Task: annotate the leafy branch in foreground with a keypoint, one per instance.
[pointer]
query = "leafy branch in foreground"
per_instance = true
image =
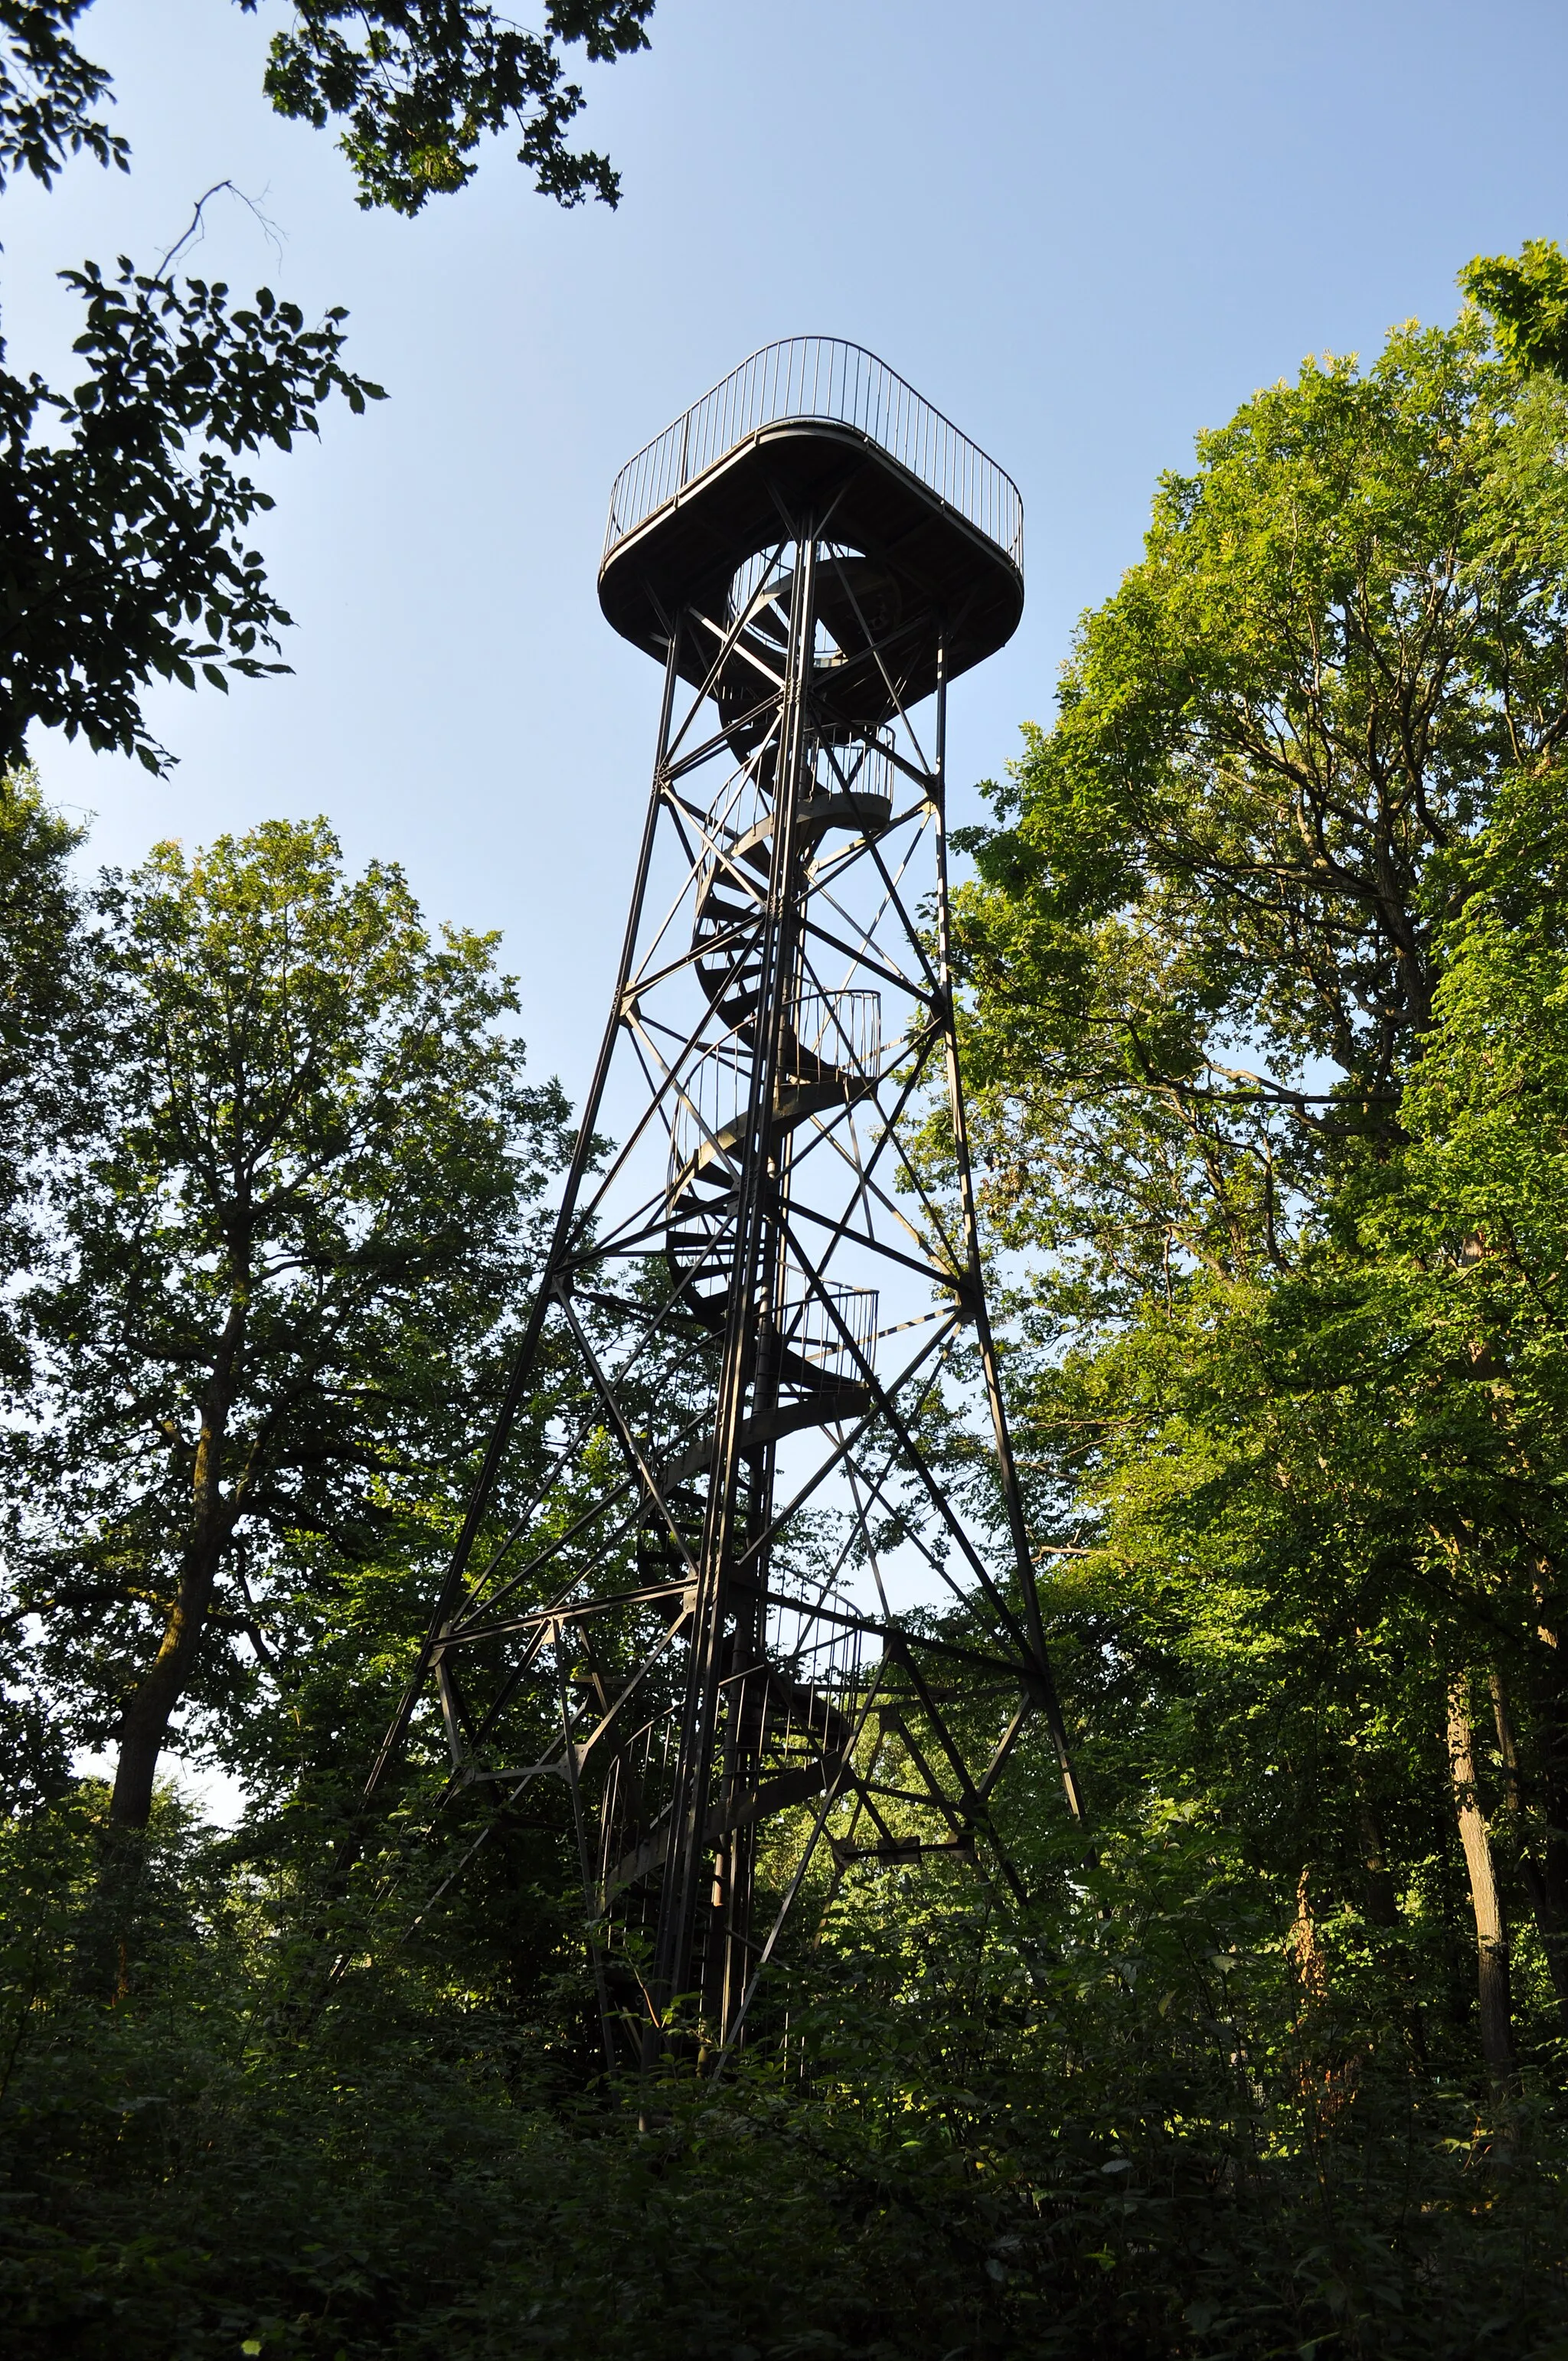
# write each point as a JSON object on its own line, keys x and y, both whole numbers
{"x": 49, "y": 92}
{"x": 124, "y": 558}
{"x": 1526, "y": 297}
{"x": 421, "y": 82}
{"x": 421, "y": 86}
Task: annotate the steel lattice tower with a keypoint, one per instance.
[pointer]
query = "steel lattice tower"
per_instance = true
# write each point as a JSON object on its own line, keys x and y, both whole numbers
{"x": 687, "y": 1628}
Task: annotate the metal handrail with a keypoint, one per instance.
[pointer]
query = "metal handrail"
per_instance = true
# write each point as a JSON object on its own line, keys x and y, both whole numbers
{"x": 806, "y": 1326}
{"x": 820, "y": 376}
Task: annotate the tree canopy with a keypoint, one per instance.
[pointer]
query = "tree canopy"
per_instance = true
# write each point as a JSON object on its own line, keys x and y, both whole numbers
{"x": 290, "y": 1236}
{"x": 421, "y": 82}
{"x": 1204, "y": 937}
{"x": 125, "y": 552}
{"x": 123, "y": 562}
{"x": 1257, "y": 945}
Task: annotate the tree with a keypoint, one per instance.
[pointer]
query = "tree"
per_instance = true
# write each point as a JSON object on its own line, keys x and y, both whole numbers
{"x": 121, "y": 561}
{"x": 420, "y": 81}
{"x": 123, "y": 526}
{"x": 1208, "y": 915}
{"x": 1210, "y": 944}
{"x": 49, "y": 92}
{"x": 46, "y": 1054}
{"x": 1476, "y": 1239}
{"x": 45, "y": 1051}
{"x": 288, "y": 1263}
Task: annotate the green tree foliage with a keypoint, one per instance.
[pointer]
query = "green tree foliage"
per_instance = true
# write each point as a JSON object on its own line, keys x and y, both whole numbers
{"x": 44, "y": 1053}
{"x": 1258, "y": 948}
{"x": 122, "y": 551}
{"x": 49, "y": 93}
{"x": 1527, "y": 296}
{"x": 1203, "y": 942}
{"x": 420, "y": 81}
{"x": 1170, "y": 2141}
{"x": 289, "y": 1251}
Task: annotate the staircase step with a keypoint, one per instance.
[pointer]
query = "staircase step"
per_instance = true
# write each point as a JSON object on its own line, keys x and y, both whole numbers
{"x": 835, "y": 1403}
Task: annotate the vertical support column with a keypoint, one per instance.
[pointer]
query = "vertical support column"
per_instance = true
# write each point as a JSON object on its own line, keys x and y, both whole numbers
{"x": 686, "y": 1871}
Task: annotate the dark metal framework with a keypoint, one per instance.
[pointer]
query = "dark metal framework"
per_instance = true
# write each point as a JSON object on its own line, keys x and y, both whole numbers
{"x": 688, "y": 1632}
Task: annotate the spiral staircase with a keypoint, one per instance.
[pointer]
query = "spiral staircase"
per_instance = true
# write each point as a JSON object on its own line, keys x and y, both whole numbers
{"x": 800, "y": 1380}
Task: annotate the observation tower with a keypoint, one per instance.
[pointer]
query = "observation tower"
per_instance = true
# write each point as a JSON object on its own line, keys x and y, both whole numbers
{"x": 732, "y": 1613}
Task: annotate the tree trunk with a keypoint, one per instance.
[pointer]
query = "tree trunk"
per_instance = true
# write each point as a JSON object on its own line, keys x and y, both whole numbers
{"x": 1491, "y": 1937}
{"x": 1382, "y": 1900}
{"x": 1306, "y": 1952}
{"x": 144, "y": 1726}
{"x": 1548, "y": 1919}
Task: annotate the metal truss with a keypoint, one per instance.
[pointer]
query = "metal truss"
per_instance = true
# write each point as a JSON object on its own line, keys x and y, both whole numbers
{"x": 686, "y": 1637}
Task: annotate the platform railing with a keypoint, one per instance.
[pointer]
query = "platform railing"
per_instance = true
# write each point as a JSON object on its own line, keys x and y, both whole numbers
{"x": 820, "y": 376}
{"x": 832, "y": 1326}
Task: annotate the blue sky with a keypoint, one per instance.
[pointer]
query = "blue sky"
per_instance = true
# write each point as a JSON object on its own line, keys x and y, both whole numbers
{"x": 1085, "y": 232}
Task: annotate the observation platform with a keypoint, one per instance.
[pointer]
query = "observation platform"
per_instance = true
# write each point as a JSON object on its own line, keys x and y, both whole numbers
{"x": 816, "y": 435}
